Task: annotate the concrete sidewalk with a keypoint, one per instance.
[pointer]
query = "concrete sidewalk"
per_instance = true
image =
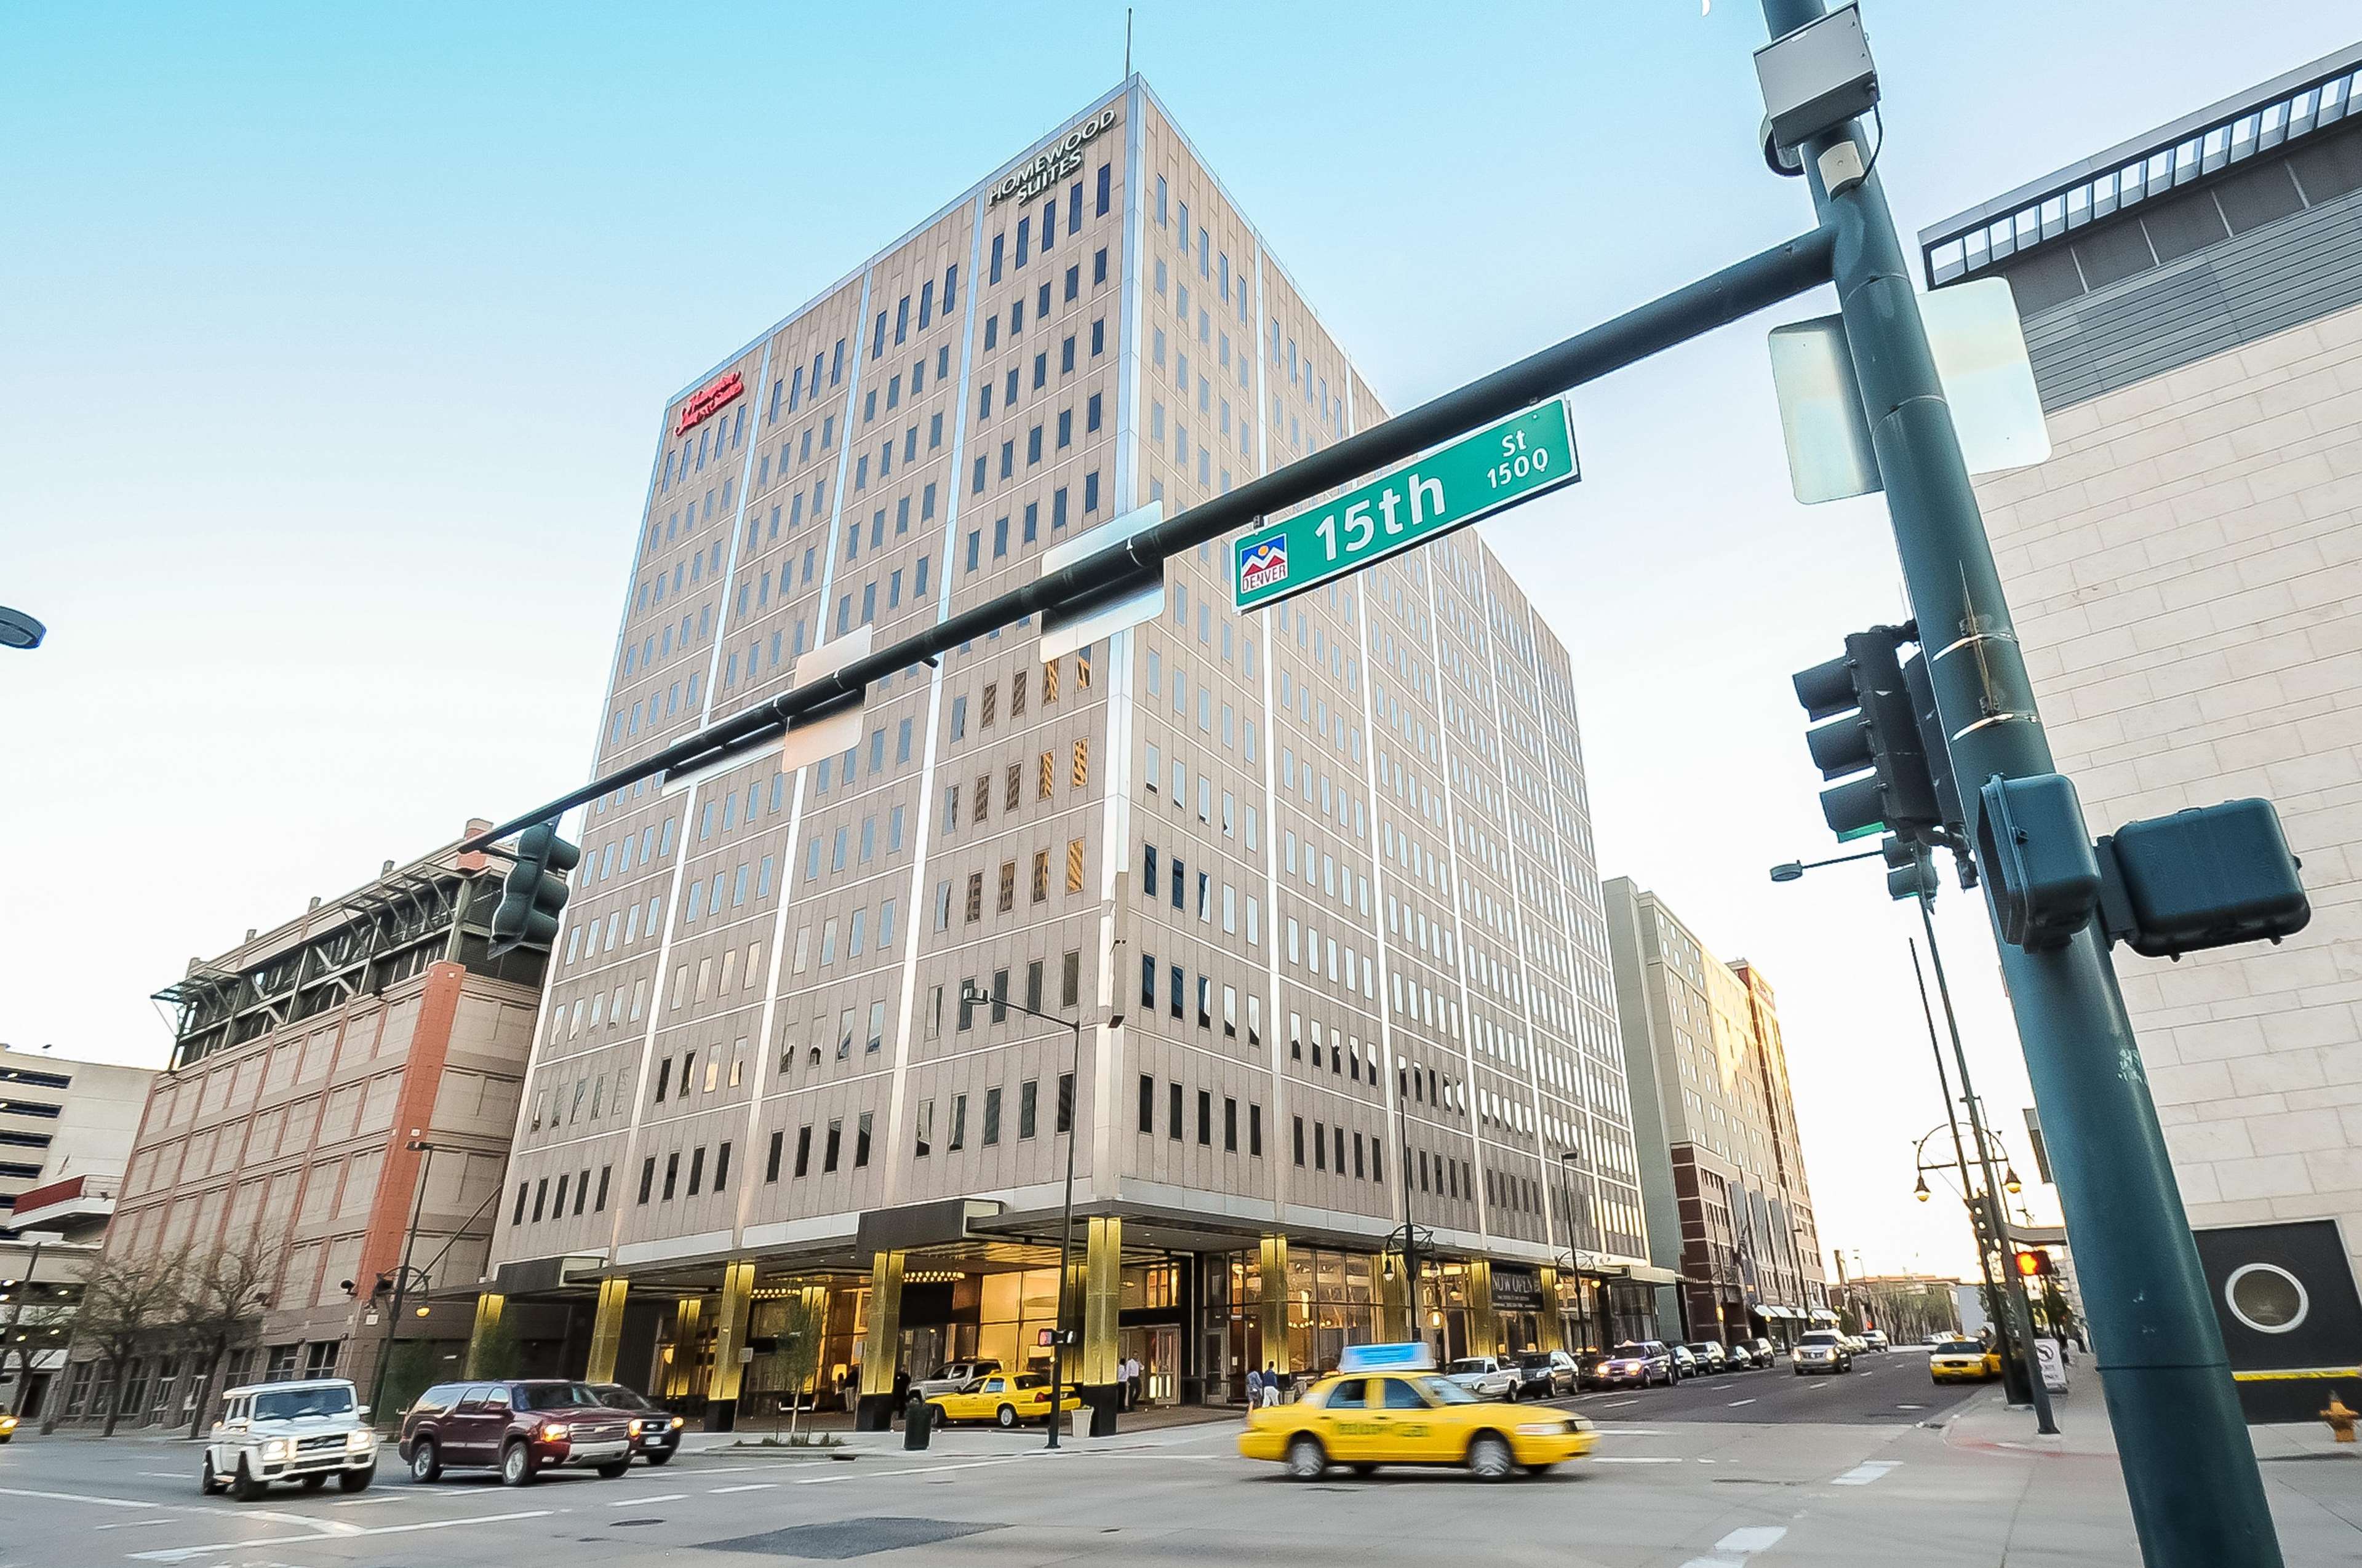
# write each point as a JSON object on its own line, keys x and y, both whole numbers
{"x": 1152, "y": 1426}
{"x": 2056, "y": 1501}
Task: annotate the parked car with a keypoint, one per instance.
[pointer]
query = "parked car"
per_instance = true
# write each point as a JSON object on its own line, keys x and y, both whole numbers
{"x": 303, "y": 1431}
{"x": 7, "y": 1427}
{"x": 1765, "y": 1353}
{"x": 1545, "y": 1374}
{"x": 1004, "y": 1399}
{"x": 520, "y": 1427}
{"x": 1822, "y": 1350}
{"x": 955, "y": 1375}
{"x": 654, "y": 1430}
{"x": 1685, "y": 1362}
{"x": 1487, "y": 1377}
{"x": 1635, "y": 1363}
{"x": 1711, "y": 1355}
{"x": 1586, "y": 1368}
{"x": 1874, "y": 1339}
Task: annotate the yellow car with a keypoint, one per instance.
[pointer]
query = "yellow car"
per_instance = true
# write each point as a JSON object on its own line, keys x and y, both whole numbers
{"x": 1005, "y": 1398}
{"x": 1963, "y": 1361}
{"x": 1364, "y": 1419}
{"x": 7, "y": 1427}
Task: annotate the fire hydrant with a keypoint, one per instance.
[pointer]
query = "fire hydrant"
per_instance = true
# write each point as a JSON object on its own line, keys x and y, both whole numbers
{"x": 2340, "y": 1419}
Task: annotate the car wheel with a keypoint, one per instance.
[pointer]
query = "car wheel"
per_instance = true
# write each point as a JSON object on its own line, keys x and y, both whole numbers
{"x": 615, "y": 1469}
{"x": 313, "y": 1482}
{"x": 243, "y": 1486}
{"x": 1510, "y": 1394}
{"x": 1006, "y": 1416}
{"x": 664, "y": 1458}
{"x": 517, "y": 1468}
{"x": 426, "y": 1465}
{"x": 1488, "y": 1457}
{"x": 209, "y": 1481}
{"x": 1306, "y": 1458}
{"x": 358, "y": 1480}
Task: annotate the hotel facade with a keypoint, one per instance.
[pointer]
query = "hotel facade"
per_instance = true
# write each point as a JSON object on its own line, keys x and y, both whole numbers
{"x": 1308, "y": 896}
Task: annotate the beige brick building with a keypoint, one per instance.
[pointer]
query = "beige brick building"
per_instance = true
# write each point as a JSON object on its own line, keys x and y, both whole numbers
{"x": 1722, "y": 1168}
{"x": 1317, "y": 883}
{"x": 2185, "y": 571}
{"x": 307, "y": 1059}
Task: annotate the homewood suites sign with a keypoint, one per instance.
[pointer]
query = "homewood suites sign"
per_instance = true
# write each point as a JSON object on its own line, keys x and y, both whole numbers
{"x": 1052, "y": 163}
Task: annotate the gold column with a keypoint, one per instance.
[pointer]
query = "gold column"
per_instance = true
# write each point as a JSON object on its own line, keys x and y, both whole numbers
{"x": 1392, "y": 1298}
{"x": 1483, "y": 1325}
{"x": 1102, "y": 1300}
{"x": 607, "y": 1330}
{"x": 1552, "y": 1336}
{"x": 488, "y": 1307}
{"x": 730, "y": 1329}
{"x": 881, "y": 1344}
{"x": 1271, "y": 1305}
{"x": 683, "y": 1371}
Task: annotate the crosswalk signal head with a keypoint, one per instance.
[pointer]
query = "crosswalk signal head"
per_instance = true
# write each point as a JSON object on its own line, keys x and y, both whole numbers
{"x": 534, "y": 894}
{"x": 2033, "y": 1263}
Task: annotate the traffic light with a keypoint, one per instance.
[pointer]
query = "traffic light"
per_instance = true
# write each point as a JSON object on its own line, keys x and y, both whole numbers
{"x": 2033, "y": 1263}
{"x": 1910, "y": 869}
{"x": 536, "y": 891}
{"x": 1872, "y": 731}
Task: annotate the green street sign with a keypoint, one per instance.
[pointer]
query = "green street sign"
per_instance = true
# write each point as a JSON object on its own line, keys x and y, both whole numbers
{"x": 1514, "y": 460}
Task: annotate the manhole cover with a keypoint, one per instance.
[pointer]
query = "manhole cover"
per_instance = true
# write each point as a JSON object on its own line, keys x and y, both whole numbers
{"x": 849, "y": 1538}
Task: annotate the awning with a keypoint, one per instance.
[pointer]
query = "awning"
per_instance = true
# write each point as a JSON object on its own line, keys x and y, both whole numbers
{"x": 1644, "y": 1273}
{"x": 1823, "y": 1315}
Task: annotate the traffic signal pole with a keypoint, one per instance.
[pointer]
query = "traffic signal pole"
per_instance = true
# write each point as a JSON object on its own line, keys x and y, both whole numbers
{"x": 2190, "y": 1470}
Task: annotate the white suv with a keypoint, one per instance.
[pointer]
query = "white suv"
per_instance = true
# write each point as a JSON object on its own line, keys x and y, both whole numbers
{"x": 305, "y": 1431}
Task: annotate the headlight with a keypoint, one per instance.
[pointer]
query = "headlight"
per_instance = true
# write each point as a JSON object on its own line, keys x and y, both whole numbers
{"x": 1542, "y": 1428}
{"x": 359, "y": 1441}
{"x": 274, "y": 1450}
{"x": 553, "y": 1429}
{"x": 635, "y": 1426}
{"x": 676, "y": 1423}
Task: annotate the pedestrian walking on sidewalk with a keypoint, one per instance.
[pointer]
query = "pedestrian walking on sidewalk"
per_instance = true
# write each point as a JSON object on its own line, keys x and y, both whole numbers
{"x": 1254, "y": 1389}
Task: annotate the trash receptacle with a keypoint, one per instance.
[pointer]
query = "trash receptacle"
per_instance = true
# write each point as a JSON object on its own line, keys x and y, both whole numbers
{"x": 918, "y": 1422}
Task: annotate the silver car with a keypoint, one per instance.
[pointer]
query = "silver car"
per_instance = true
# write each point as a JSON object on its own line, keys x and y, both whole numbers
{"x": 1487, "y": 1377}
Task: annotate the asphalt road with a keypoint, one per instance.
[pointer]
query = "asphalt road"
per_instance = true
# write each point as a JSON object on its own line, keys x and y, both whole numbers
{"x": 1885, "y": 1387}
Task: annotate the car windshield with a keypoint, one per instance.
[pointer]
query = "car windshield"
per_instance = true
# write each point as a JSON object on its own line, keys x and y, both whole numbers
{"x": 1470, "y": 1363}
{"x": 1703, "y": 1349}
{"x": 1960, "y": 1347}
{"x": 1819, "y": 1337}
{"x": 1627, "y": 1350}
{"x": 1535, "y": 1358}
{"x": 293, "y": 1404}
{"x": 616, "y": 1397}
{"x": 556, "y": 1396}
{"x": 1442, "y": 1393}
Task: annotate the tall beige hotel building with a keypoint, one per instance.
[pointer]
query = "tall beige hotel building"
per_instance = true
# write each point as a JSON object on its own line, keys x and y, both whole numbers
{"x": 1317, "y": 884}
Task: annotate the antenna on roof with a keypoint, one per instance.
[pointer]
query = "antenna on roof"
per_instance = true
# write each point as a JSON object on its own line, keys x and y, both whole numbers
{"x": 1127, "y": 43}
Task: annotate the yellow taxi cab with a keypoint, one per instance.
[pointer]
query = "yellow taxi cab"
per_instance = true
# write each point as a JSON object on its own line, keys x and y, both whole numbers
{"x": 1963, "y": 1361}
{"x": 8, "y": 1426}
{"x": 1384, "y": 1404}
{"x": 1004, "y": 1398}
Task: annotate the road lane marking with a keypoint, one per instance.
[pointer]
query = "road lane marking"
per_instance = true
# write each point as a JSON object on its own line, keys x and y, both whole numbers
{"x": 750, "y": 1486}
{"x": 1634, "y": 1459}
{"x": 924, "y": 1469}
{"x": 182, "y": 1553}
{"x": 638, "y": 1502}
{"x": 1751, "y": 1538}
{"x": 1736, "y": 1403}
{"x": 1618, "y": 1404}
{"x": 80, "y": 1498}
{"x": 164, "y": 1475}
{"x": 133, "y": 1524}
{"x": 1862, "y": 1474}
{"x": 328, "y": 1526}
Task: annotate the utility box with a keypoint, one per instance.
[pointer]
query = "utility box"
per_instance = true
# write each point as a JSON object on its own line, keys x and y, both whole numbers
{"x": 2204, "y": 878}
{"x": 2037, "y": 859}
{"x": 1816, "y": 78}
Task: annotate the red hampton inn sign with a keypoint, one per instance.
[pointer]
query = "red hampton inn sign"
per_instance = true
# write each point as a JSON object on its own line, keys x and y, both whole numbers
{"x": 709, "y": 399}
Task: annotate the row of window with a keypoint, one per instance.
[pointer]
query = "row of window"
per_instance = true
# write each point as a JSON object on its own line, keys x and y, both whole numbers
{"x": 1176, "y": 1100}
{"x": 1180, "y": 990}
{"x": 540, "y": 1194}
{"x": 1048, "y": 211}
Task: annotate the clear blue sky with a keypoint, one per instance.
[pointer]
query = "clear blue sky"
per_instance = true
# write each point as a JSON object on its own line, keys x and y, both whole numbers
{"x": 335, "y": 338}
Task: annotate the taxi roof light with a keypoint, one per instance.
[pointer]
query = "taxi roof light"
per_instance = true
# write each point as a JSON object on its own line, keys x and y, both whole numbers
{"x": 1410, "y": 1356}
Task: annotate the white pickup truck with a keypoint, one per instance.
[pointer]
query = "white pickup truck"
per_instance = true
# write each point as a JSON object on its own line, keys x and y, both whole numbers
{"x": 303, "y": 1431}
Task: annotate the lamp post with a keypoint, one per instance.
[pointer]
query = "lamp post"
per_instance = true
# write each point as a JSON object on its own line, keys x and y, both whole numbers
{"x": 20, "y": 630}
{"x": 403, "y": 1271}
{"x": 971, "y": 997}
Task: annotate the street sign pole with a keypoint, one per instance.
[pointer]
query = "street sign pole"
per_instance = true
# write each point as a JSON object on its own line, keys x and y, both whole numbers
{"x": 2190, "y": 1470}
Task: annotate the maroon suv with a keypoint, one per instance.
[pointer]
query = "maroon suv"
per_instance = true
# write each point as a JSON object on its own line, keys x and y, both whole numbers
{"x": 519, "y": 1427}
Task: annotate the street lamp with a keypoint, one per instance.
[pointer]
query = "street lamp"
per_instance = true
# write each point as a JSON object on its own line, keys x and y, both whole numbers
{"x": 402, "y": 1273}
{"x": 1919, "y": 1191}
{"x": 970, "y": 996}
{"x": 2010, "y": 1183}
{"x": 19, "y": 630}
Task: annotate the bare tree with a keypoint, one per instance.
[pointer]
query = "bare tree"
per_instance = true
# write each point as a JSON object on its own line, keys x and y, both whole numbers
{"x": 36, "y": 1324}
{"x": 800, "y": 1327}
{"x": 126, "y": 1304}
{"x": 224, "y": 1288}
